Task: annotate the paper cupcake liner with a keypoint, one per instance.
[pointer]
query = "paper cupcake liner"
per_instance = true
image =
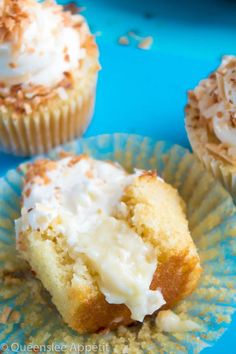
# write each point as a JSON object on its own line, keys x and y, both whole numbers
{"x": 224, "y": 172}
{"x": 27, "y": 314}
{"x": 54, "y": 123}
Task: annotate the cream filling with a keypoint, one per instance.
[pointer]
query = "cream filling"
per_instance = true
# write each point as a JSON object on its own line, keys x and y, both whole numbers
{"x": 84, "y": 198}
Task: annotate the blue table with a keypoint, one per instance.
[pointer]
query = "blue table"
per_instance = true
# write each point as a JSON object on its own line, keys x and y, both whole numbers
{"x": 144, "y": 92}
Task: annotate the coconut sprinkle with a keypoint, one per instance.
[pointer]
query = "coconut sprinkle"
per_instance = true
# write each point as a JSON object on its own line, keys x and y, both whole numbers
{"x": 146, "y": 43}
{"x": 141, "y": 42}
{"x": 123, "y": 40}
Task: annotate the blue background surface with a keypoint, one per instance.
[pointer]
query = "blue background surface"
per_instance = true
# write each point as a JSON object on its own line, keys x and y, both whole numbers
{"x": 144, "y": 92}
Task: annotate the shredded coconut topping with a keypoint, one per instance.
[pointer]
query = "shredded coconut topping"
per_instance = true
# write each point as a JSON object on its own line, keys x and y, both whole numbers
{"x": 42, "y": 47}
{"x": 215, "y": 100}
{"x": 14, "y": 19}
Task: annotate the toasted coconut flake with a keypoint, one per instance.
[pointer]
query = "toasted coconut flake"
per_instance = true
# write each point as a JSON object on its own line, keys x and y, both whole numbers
{"x": 5, "y": 314}
{"x": 63, "y": 154}
{"x": 221, "y": 87}
{"x": 221, "y": 151}
{"x": 14, "y": 18}
{"x": 12, "y": 65}
{"x": 67, "y": 57}
{"x": 146, "y": 43}
{"x": 74, "y": 160}
{"x": 123, "y": 40}
{"x": 15, "y": 317}
{"x": 39, "y": 169}
{"x": 72, "y": 8}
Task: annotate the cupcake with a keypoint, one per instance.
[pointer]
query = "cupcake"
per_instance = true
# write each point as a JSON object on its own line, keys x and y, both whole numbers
{"x": 211, "y": 123}
{"x": 48, "y": 74}
{"x": 26, "y": 311}
{"x": 111, "y": 247}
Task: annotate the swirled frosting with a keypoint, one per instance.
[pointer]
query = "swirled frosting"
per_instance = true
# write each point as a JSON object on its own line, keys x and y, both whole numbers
{"x": 38, "y": 43}
{"x": 216, "y": 101}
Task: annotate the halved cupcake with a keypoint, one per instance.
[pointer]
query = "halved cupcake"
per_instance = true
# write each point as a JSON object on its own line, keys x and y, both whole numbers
{"x": 109, "y": 246}
{"x": 48, "y": 75}
{"x": 211, "y": 122}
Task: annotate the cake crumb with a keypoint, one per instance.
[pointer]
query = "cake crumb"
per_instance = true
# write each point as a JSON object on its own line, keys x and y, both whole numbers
{"x": 15, "y": 316}
{"x": 5, "y": 314}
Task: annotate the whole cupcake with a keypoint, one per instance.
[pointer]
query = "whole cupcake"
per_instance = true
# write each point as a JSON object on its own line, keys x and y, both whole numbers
{"x": 48, "y": 75}
{"x": 211, "y": 122}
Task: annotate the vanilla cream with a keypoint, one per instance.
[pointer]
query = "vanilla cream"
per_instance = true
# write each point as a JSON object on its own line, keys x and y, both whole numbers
{"x": 81, "y": 200}
{"x": 48, "y": 46}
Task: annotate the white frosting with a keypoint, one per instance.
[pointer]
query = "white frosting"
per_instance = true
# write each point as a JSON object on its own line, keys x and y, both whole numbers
{"x": 84, "y": 199}
{"x": 40, "y": 59}
{"x": 168, "y": 321}
{"x": 220, "y": 112}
